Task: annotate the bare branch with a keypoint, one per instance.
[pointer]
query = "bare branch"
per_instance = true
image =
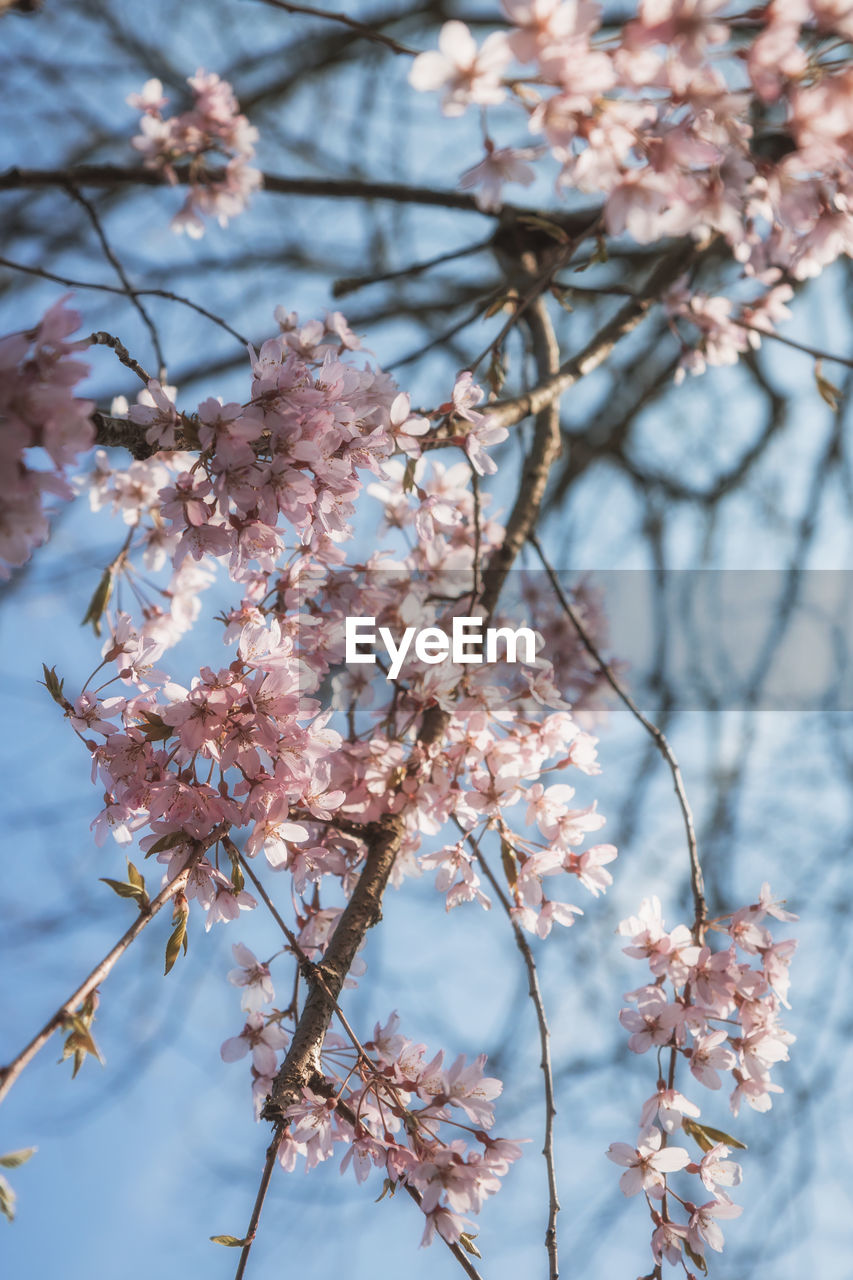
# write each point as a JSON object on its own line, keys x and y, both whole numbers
{"x": 508, "y": 413}
{"x": 166, "y": 294}
{"x": 535, "y": 993}
{"x": 257, "y": 1208}
{"x": 102, "y": 339}
{"x": 544, "y": 451}
{"x": 115, "y": 263}
{"x": 696, "y": 881}
{"x": 10, "y": 1073}
{"x": 360, "y": 28}
{"x": 113, "y": 175}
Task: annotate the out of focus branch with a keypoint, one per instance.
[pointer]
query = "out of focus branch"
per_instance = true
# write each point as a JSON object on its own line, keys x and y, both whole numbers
{"x": 360, "y": 28}
{"x": 110, "y": 175}
{"x": 508, "y": 413}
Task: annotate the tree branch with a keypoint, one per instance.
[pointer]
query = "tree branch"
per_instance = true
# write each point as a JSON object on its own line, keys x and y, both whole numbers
{"x": 508, "y": 413}
{"x": 697, "y": 883}
{"x": 10, "y": 1073}
{"x": 545, "y": 450}
{"x": 166, "y": 294}
{"x": 360, "y": 28}
{"x": 363, "y": 910}
{"x": 114, "y": 175}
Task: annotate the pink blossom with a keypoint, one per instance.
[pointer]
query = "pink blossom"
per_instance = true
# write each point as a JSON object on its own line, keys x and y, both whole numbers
{"x": 263, "y": 1039}
{"x": 668, "y": 1107}
{"x": 213, "y": 127}
{"x": 667, "y": 1240}
{"x": 38, "y": 410}
{"x": 710, "y": 1055}
{"x": 500, "y": 165}
{"x": 703, "y": 1227}
{"x": 253, "y": 976}
{"x": 465, "y": 74}
{"x": 647, "y": 1164}
{"x": 312, "y": 1126}
{"x": 715, "y": 1171}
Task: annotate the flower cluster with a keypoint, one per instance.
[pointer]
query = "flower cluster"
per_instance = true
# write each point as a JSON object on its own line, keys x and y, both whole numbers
{"x": 38, "y": 410}
{"x": 214, "y": 130}
{"x": 390, "y": 1107}
{"x": 293, "y": 453}
{"x": 720, "y": 1014}
{"x": 719, "y": 333}
{"x": 680, "y": 123}
{"x": 286, "y": 750}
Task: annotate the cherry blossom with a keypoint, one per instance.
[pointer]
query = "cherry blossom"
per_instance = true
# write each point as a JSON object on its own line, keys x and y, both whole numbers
{"x": 38, "y": 409}
{"x": 254, "y": 977}
{"x": 721, "y": 1017}
{"x": 500, "y": 165}
{"x": 262, "y": 1039}
{"x": 703, "y": 1228}
{"x": 214, "y": 129}
{"x": 647, "y": 1164}
{"x": 657, "y": 121}
{"x": 275, "y": 750}
{"x": 465, "y": 73}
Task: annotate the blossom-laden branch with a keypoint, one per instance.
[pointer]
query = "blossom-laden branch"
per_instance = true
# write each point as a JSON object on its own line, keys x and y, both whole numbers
{"x": 127, "y": 288}
{"x": 250, "y": 746}
{"x": 660, "y": 120}
{"x": 334, "y": 778}
{"x": 250, "y": 975}
{"x": 729, "y": 1009}
{"x": 508, "y": 413}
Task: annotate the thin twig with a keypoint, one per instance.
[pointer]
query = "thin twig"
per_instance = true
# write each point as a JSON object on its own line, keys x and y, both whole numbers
{"x": 797, "y": 346}
{"x": 696, "y": 880}
{"x": 456, "y": 1249}
{"x": 249, "y": 1238}
{"x": 439, "y": 340}
{"x": 167, "y": 294}
{"x": 360, "y": 28}
{"x": 102, "y": 339}
{"x": 10, "y": 1073}
{"x": 127, "y": 288}
{"x": 350, "y": 284}
{"x": 534, "y": 479}
{"x": 535, "y": 992}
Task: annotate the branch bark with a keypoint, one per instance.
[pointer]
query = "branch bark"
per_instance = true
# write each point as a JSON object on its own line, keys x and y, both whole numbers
{"x": 508, "y": 413}
{"x": 363, "y": 910}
